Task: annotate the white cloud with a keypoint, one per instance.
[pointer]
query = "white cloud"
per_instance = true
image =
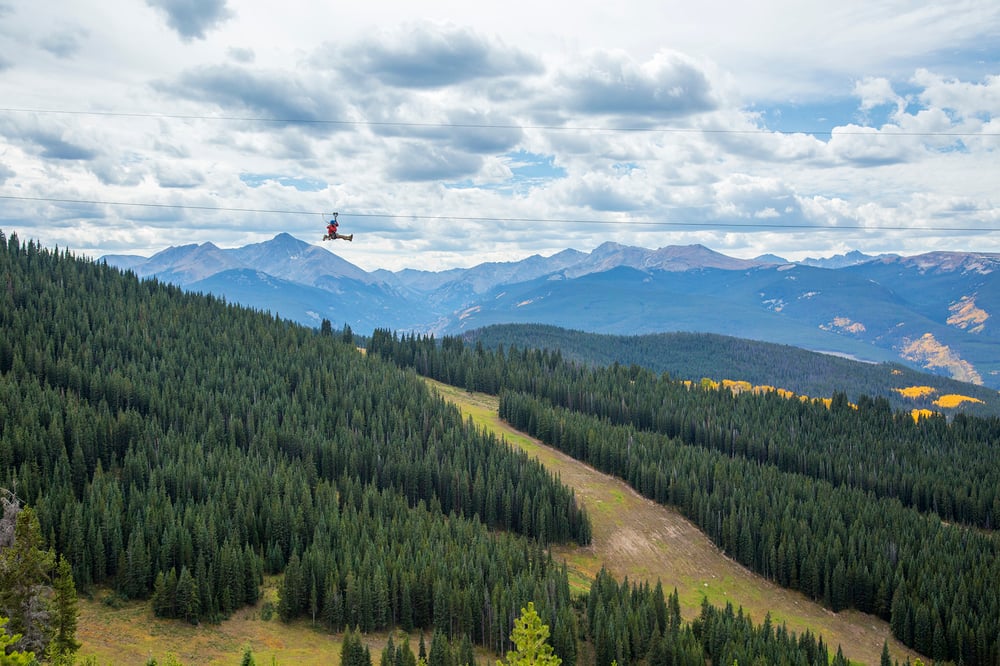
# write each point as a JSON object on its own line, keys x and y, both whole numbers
{"x": 668, "y": 86}
{"x": 965, "y": 98}
{"x": 433, "y": 56}
{"x": 462, "y": 110}
{"x": 869, "y": 147}
{"x": 874, "y": 91}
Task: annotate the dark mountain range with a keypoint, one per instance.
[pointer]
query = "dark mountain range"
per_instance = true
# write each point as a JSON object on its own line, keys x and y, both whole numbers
{"x": 931, "y": 311}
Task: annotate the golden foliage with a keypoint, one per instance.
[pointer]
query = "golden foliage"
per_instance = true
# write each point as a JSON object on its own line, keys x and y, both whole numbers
{"x": 954, "y": 400}
{"x": 736, "y": 385}
{"x": 914, "y": 392}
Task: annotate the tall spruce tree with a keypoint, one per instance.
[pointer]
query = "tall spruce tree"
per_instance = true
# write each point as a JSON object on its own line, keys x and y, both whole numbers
{"x": 64, "y": 611}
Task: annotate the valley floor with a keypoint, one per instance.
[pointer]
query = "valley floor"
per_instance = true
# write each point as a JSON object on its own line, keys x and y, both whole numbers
{"x": 131, "y": 634}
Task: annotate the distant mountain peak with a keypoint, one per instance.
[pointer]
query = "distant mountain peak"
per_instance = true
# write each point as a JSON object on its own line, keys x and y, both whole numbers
{"x": 852, "y": 258}
{"x": 283, "y": 241}
{"x": 285, "y": 237}
{"x": 770, "y": 259}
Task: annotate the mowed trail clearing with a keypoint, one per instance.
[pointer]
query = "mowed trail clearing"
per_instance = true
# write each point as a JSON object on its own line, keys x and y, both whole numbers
{"x": 638, "y": 538}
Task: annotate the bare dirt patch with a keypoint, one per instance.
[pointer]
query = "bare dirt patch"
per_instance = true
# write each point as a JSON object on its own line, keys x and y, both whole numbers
{"x": 645, "y": 541}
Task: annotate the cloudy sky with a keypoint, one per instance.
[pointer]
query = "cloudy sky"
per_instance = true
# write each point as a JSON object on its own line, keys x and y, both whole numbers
{"x": 451, "y": 133}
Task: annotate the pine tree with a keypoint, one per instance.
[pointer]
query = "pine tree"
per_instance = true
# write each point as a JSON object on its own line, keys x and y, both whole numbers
{"x": 188, "y": 601}
{"x": 466, "y": 655}
{"x": 388, "y": 653}
{"x": 440, "y": 654}
{"x": 353, "y": 652}
{"x": 64, "y": 611}
{"x": 564, "y": 636}
{"x": 530, "y": 638}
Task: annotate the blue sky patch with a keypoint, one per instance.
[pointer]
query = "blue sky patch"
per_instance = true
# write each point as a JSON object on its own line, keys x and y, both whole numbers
{"x": 529, "y": 170}
{"x": 301, "y": 183}
{"x": 816, "y": 118}
{"x": 532, "y": 166}
{"x": 820, "y": 117}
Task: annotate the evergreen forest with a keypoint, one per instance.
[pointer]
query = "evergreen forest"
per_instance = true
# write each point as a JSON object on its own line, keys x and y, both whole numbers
{"x": 857, "y": 506}
{"x": 176, "y": 448}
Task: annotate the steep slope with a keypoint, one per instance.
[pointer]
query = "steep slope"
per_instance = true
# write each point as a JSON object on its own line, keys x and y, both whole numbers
{"x": 176, "y": 448}
{"x": 646, "y": 541}
{"x": 811, "y": 494}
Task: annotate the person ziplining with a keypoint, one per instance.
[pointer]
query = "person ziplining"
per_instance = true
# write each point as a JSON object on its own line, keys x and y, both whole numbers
{"x": 331, "y": 231}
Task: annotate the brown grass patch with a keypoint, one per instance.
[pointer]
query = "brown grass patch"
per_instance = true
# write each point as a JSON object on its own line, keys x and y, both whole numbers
{"x": 131, "y": 634}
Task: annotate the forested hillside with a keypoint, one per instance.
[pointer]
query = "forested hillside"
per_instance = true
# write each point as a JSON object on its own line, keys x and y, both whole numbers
{"x": 856, "y": 507}
{"x": 177, "y": 448}
{"x": 693, "y": 356}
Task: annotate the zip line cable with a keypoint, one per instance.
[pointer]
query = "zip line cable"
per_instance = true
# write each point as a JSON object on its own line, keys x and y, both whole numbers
{"x": 465, "y": 218}
{"x": 375, "y": 123}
